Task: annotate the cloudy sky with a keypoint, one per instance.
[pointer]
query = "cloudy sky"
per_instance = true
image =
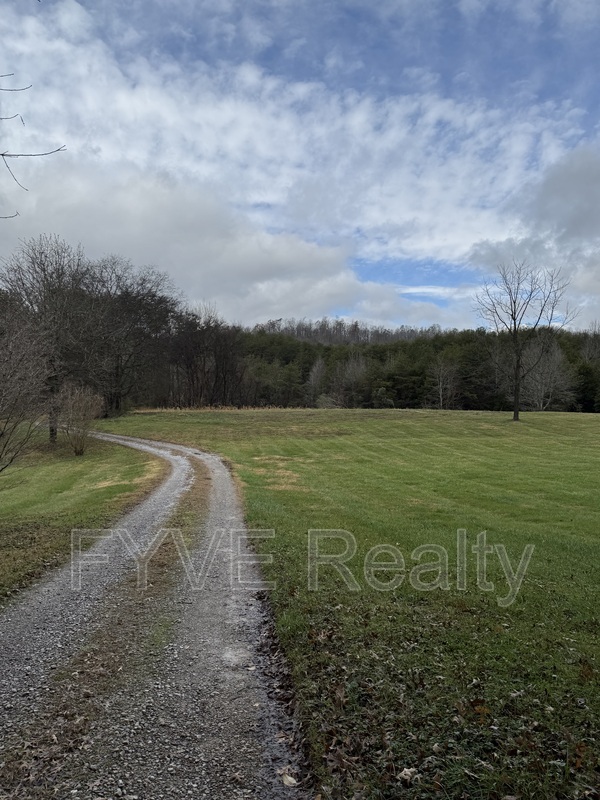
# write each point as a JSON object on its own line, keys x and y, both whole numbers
{"x": 278, "y": 158}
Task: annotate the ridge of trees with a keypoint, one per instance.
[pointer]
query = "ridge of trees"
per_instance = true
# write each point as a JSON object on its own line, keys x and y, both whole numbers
{"x": 127, "y": 336}
{"x": 338, "y": 331}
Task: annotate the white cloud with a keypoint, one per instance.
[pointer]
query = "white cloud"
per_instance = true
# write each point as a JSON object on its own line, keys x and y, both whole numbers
{"x": 565, "y": 202}
{"x": 210, "y": 252}
{"x": 579, "y": 13}
{"x": 559, "y": 228}
{"x": 254, "y": 189}
{"x": 572, "y": 12}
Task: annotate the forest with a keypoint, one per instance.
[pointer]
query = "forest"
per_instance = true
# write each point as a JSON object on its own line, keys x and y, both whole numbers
{"x": 71, "y": 326}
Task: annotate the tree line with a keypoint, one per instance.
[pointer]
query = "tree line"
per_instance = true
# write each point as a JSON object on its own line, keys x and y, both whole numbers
{"x": 105, "y": 336}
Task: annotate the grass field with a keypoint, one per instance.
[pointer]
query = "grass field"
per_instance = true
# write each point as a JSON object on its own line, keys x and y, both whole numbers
{"x": 439, "y": 687}
{"x": 47, "y": 493}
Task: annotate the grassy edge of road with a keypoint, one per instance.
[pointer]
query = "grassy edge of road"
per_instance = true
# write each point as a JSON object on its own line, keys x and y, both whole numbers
{"x": 68, "y": 747}
{"x": 49, "y": 492}
{"x": 427, "y": 694}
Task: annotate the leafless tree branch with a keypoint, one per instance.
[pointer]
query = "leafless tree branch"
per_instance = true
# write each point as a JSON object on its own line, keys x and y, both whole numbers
{"x": 60, "y": 149}
{"x": 6, "y": 155}
{"x": 17, "y": 89}
{"x": 524, "y": 303}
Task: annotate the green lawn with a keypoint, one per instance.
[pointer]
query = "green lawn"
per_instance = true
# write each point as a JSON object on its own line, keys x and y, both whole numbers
{"x": 47, "y": 493}
{"x": 452, "y": 691}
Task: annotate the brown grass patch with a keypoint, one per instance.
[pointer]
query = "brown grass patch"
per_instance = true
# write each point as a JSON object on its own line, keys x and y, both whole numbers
{"x": 280, "y": 479}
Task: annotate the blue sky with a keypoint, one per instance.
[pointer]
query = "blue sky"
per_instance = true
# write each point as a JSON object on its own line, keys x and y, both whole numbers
{"x": 283, "y": 158}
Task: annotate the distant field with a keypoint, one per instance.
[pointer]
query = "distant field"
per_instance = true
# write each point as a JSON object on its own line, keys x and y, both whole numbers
{"x": 46, "y": 494}
{"x": 456, "y": 691}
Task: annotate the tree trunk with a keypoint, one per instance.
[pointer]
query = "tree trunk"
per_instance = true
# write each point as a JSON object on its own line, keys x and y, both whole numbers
{"x": 114, "y": 403}
{"x": 52, "y": 426}
{"x": 53, "y": 407}
{"x": 517, "y": 388}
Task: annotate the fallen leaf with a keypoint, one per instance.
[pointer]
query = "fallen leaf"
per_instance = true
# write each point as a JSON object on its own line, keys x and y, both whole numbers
{"x": 409, "y": 775}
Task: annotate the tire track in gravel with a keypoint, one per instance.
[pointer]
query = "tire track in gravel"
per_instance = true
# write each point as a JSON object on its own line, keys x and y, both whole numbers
{"x": 207, "y": 724}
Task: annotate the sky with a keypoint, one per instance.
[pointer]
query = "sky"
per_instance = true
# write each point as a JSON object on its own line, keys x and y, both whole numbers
{"x": 277, "y": 158}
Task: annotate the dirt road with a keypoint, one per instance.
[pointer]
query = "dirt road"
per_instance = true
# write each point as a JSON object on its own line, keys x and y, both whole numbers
{"x": 107, "y": 690}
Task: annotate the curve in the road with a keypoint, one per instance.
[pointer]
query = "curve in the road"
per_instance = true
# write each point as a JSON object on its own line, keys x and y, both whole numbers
{"x": 210, "y": 727}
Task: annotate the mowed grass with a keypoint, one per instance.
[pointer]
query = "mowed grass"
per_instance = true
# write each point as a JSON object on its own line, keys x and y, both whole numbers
{"x": 444, "y": 692}
{"x": 47, "y": 493}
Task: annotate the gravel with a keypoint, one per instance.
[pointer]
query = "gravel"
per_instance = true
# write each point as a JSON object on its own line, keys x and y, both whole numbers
{"x": 209, "y": 717}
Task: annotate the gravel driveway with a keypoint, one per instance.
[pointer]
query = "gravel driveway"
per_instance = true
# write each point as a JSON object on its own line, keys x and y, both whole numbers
{"x": 202, "y": 713}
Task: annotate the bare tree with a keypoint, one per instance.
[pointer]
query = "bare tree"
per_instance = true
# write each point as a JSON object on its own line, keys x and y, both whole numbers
{"x": 348, "y": 381}
{"x": 524, "y": 303}
{"x": 548, "y": 378}
{"x": 590, "y": 347}
{"x": 79, "y": 406}
{"x": 48, "y": 276}
{"x": 316, "y": 380}
{"x": 22, "y": 381}
{"x": 104, "y": 324}
{"x": 444, "y": 374}
{"x": 131, "y": 313}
